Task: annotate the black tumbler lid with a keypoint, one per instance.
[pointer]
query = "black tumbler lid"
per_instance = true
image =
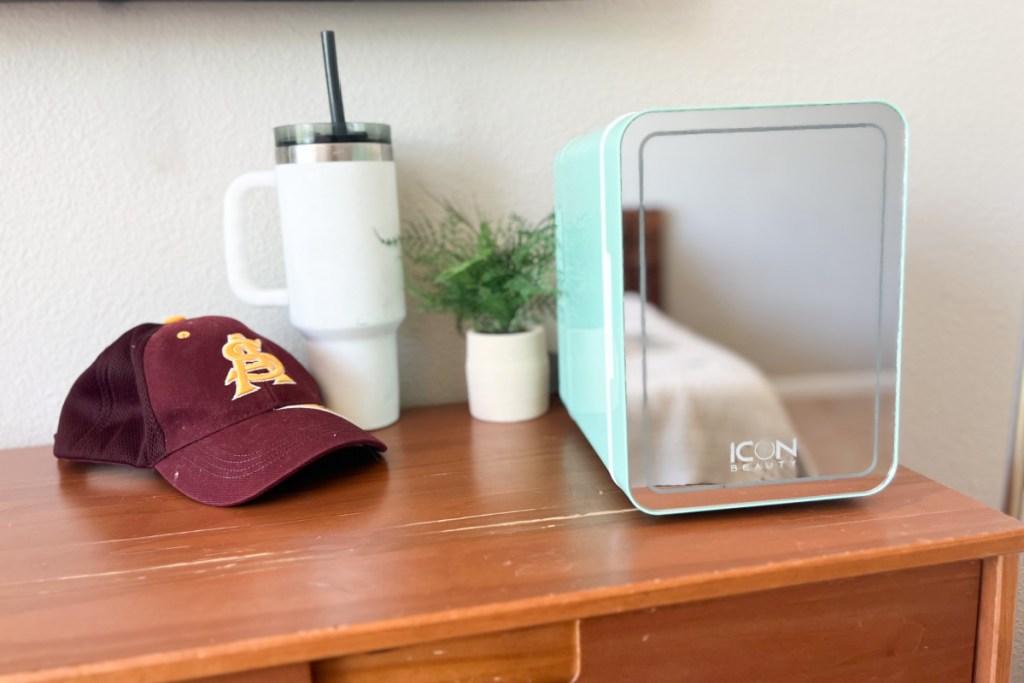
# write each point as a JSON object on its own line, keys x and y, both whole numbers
{"x": 325, "y": 133}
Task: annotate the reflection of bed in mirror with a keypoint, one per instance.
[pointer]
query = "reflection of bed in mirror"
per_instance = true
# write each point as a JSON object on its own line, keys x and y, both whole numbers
{"x": 704, "y": 399}
{"x": 700, "y": 395}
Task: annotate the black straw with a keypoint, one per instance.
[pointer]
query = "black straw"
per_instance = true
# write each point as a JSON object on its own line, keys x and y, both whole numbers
{"x": 333, "y": 83}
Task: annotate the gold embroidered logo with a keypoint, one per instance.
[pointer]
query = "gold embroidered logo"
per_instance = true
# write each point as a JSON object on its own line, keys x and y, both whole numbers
{"x": 251, "y": 364}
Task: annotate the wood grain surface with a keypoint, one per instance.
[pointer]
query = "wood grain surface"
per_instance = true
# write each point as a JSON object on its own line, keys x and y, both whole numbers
{"x": 289, "y": 673}
{"x": 995, "y": 618}
{"x": 542, "y": 654}
{"x": 910, "y": 626}
{"x": 465, "y": 528}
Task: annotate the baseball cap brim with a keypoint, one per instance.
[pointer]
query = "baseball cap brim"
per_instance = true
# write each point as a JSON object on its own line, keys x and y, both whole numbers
{"x": 242, "y": 461}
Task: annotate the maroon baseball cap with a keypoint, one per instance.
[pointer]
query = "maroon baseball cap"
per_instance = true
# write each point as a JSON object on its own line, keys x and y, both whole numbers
{"x": 222, "y": 413}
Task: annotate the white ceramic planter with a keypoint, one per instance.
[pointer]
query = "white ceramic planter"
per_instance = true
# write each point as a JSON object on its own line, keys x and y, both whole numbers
{"x": 507, "y": 375}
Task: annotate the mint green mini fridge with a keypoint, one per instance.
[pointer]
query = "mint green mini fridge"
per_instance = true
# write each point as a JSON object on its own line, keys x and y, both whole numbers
{"x": 730, "y": 301}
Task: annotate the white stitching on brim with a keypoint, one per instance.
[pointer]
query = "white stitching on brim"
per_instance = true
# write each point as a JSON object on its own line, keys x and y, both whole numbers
{"x": 314, "y": 406}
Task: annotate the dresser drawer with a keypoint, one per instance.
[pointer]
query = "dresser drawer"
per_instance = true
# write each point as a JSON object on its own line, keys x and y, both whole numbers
{"x": 915, "y": 625}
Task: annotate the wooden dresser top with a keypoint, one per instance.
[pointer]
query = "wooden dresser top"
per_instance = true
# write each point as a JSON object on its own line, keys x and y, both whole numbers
{"x": 464, "y": 527}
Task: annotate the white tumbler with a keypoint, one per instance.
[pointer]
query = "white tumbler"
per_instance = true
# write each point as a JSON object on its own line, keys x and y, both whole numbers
{"x": 338, "y": 204}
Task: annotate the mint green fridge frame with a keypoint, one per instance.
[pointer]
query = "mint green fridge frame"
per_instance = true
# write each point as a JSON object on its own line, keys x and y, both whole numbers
{"x": 591, "y": 355}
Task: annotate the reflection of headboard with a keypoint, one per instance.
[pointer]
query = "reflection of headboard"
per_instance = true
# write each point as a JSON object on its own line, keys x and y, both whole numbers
{"x": 631, "y": 252}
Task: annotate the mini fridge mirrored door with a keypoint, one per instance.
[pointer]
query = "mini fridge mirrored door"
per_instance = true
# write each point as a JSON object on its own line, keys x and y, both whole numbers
{"x": 763, "y": 276}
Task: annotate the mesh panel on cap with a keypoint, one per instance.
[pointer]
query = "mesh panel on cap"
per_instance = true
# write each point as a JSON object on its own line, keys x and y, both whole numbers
{"x": 106, "y": 416}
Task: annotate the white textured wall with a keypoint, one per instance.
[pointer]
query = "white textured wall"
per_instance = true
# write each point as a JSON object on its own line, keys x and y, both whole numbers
{"x": 121, "y": 125}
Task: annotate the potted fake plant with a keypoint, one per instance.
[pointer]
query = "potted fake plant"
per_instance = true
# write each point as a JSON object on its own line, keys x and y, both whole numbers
{"x": 496, "y": 277}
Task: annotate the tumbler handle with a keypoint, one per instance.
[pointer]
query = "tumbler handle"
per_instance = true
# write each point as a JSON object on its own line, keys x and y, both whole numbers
{"x": 239, "y": 277}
